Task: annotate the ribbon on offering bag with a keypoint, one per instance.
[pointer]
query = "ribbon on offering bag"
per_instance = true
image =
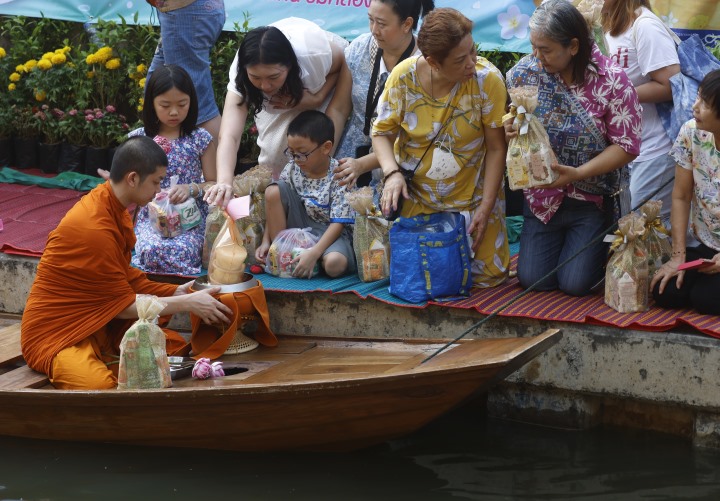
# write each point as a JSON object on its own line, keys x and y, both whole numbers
{"x": 521, "y": 118}
{"x": 203, "y": 369}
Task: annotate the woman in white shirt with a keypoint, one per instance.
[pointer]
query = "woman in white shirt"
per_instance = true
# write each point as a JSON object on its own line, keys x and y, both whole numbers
{"x": 279, "y": 70}
{"x": 645, "y": 48}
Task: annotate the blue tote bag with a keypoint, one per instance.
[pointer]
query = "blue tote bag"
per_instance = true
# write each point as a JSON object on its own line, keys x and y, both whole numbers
{"x": 429, "y": 257}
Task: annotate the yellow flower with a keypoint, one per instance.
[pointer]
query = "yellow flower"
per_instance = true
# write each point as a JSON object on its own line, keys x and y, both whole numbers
{"x": 141, "y": 68}
{"x": 92, "y": 59}
{"x": 113, "y": 64}
{"x": 48, "y": 55}
{"x": 15, "y": 77}
{"x": 2, "y": 52}
{"x": 29, "y": 65}
{"x": 141, "y": 83}
{"x": 103, "y": 54}
{"x": 20, "y": 68}
{"x": 12, "y": 87}
{"x": 58, "y": 58}
{"x": 40, "y": 96}
{"x": 66, "y": 49}
{"x": 44, "y": 64}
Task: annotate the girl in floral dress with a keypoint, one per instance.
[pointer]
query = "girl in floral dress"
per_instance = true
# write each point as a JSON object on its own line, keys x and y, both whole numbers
{"x": 171, "y": 109}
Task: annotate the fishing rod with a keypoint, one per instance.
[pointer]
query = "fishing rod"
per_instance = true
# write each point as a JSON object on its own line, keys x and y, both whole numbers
{"x": 531, "y": 288}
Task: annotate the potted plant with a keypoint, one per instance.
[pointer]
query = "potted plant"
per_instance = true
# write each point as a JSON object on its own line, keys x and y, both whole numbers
{"x": 105, "y": 129}
{"x": 7, "y": 119}
{"x": 48, "y": 120}
{"x": 25, "y": 139}
{"x": 72, "y": 126}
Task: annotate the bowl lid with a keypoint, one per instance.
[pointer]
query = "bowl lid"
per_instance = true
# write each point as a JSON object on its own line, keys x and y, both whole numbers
{"x": 248, "y": 282}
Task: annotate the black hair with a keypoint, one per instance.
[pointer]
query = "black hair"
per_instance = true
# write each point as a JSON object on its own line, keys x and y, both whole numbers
{"x": 163, "y": 79}
{"x": 709, "y": 91}
{"x": 416, "y": 9}
{"x": 313, "y": 125}
{"x": 137, "y": 154}
{"x": 561, "y": 22}
{"x": 267, "y": 45}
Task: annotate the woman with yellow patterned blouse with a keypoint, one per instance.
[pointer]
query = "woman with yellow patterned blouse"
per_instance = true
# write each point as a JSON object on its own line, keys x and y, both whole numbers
{"x": 442, "y": 113}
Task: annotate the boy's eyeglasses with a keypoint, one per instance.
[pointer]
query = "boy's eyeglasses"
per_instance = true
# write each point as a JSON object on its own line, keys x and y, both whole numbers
{"x": 299, "y": 157}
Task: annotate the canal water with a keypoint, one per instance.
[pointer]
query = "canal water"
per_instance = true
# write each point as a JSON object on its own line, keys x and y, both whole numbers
{"x": 462, "y": 456}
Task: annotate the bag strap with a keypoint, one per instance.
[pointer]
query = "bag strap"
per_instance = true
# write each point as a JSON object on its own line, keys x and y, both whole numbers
{"x": 376, "y": 88}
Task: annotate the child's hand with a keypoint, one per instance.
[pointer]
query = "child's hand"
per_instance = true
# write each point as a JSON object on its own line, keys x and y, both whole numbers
{"x": 179, "y": 193}
{"x": 261, "y": 251}
{"x": 304, "y": 264}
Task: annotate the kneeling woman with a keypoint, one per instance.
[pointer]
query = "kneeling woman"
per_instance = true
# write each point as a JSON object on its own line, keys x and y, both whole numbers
{"x": 697, "y": 177}
{"x": 591, "y": 113}
{"x": 440, "y": 116}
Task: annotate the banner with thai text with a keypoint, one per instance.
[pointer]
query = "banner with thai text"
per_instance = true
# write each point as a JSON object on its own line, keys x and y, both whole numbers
{"x": 499, "y": 24}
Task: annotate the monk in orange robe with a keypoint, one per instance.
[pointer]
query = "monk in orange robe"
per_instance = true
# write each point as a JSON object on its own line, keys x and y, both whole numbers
{"x": 83, "y": 298}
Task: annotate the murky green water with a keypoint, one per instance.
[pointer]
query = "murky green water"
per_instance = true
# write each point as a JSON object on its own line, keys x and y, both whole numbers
{"x": 462, "y": 456}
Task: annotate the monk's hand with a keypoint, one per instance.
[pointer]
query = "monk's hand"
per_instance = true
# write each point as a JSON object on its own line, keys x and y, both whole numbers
{"x": 208, "y": 308}
{"x": 566, "y": 175}
{"x": 179, "y": 193}
{"x": 184, "y": 288}
{"x": 105, "y": 174}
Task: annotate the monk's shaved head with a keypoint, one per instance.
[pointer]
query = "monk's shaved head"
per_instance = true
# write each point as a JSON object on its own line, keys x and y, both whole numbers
{"x": 138, "y": 154}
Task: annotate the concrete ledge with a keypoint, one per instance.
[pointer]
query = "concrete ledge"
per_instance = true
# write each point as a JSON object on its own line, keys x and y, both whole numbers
{"x": 658, "y": 380}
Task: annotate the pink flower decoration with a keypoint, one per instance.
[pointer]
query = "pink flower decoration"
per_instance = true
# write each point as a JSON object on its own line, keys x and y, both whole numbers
{"x": 72, "y": 113}
{"x": 164, "y": 143}
{"x": 110, "y": 108}
{"x": 203, "y": 369}
{"x": 99, "y": 114}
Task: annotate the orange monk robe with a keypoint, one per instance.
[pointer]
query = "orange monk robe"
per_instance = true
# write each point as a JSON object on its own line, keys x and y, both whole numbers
{"x": 84, "y": 279}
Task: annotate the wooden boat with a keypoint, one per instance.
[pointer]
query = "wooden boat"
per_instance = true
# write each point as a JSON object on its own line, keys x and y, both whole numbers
{"x": 306, "y": 393}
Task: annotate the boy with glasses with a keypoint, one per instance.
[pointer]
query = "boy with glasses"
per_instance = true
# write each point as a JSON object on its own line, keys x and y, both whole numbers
{"x": 306, "y": 196}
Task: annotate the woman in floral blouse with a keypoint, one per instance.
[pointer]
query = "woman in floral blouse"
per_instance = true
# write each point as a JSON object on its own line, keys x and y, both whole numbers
{"x": 441, "y": 116}
{"x": 591, "y": 113}
{"x": 697, "y": 182}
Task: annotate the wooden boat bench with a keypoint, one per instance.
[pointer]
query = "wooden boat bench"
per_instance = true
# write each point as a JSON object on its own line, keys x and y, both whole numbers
{"x": 16, "y": 378}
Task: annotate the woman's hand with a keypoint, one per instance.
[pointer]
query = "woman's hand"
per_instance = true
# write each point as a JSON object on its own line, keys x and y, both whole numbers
{"x": 179, "y": 193}
{"x": 219, "y": 194}
{"x": 712, "y": 269}
{"x": 395, "y": 187}
{"x": 510, "y": 130}
{"x": 566, "y": 175}
{"x": 281, "y": 101}
{"x": 478, "y": 225}
{"x": 666, "y": 272}
{"x": 184, "y": 288}
{"x": 347, "y": 172}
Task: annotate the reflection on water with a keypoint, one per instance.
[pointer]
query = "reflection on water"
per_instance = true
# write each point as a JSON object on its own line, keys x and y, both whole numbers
{"x": 459, "y": 457}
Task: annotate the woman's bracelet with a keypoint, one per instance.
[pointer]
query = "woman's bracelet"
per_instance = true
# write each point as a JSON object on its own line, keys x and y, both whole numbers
{"x": 197, "y": 188}
{"x": 390, "y": 174}
{"x": 190, "y": 189}
{"x": 678, "y": 253}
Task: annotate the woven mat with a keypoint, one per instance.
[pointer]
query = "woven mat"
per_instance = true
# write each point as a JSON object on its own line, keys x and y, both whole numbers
{"x": 29, "y": 214}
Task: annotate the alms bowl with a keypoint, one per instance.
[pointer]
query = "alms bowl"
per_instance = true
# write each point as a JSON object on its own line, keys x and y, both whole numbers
{"x": 248, "y": 282}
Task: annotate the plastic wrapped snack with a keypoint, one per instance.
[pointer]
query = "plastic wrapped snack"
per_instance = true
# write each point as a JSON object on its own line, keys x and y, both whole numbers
{"x": 228, "y": 255}
{"x": 213, "y": 224}
{"x": 251, "y": 228}
{"x": 164, "y": 218}
{"x": 530, "y": 157}
{"x": 190, "y": 215}
{"x": 143, "y": 359}
{"x": 371, "y": 241}
{"x": 288, "y": 245}
{"x": 656, "y": 237}
{"x": 626, "y": 277}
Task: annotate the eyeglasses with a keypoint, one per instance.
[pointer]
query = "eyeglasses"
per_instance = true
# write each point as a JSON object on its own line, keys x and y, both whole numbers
{"x": 299, "y": 157}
